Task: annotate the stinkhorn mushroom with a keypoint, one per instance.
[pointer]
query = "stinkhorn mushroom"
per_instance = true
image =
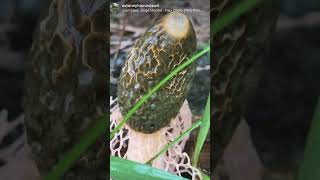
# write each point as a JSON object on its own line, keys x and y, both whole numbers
{"x": 163, "y": 47}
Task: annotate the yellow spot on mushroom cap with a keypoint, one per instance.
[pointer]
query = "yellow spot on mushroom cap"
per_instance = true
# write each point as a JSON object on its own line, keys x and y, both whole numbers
{"x": 176, "y": 24}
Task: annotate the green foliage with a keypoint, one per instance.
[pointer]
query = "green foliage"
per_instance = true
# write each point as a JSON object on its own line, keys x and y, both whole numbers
{"x": 204, "y": 129}
{"x": 230, "y": 16}
{"x": 310, "y": 168}
{"x": 176, "y": 140}
{"x": 74, "y": 154}
{"x": 125, "y": 169}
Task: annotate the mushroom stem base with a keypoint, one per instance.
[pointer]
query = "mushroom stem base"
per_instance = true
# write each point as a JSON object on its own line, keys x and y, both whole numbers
{"x": 142, "y": 147}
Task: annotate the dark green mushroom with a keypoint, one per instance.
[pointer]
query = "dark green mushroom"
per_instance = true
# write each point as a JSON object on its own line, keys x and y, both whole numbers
{"x": 163, "y": 47}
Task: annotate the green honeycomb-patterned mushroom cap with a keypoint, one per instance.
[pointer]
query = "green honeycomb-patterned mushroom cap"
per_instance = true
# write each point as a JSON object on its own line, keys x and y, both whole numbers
{"x": 162, "y": 48}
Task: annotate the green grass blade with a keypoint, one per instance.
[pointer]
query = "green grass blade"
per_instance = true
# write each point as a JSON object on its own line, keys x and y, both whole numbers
{"x": 310, "y": 168}
{"x": 99, "y": 128}
{"x": 122, "y": 169}
{"x": 204, "y": 176}
{"x": 158, "y": 86}
{"x": 231, "y": 15}
{"x": 204, "y": 129}
{"x": 176, "y": 140}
